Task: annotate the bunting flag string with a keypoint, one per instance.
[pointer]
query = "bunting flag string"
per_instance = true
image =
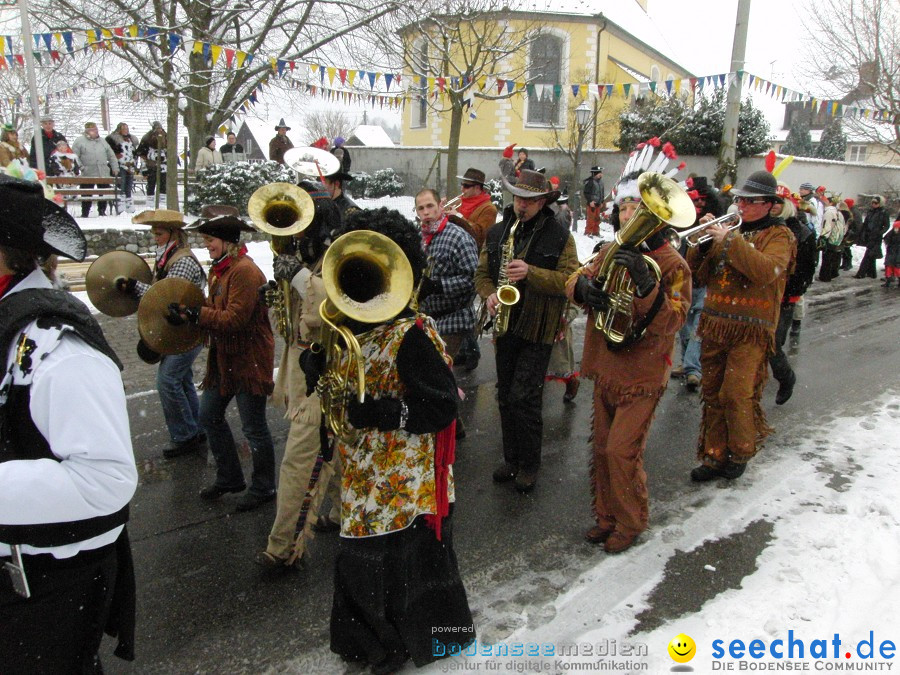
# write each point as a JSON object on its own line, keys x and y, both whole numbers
{"x": 52, "y": 46}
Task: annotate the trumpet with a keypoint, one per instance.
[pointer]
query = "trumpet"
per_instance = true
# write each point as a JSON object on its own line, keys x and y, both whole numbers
{"x": 729, "y": 221}
{"x": 452, "y": 204}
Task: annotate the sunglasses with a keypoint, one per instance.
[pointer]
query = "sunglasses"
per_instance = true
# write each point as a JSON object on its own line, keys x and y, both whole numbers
{"x": 466, "y": 186}
{"x": 749, "y": 200}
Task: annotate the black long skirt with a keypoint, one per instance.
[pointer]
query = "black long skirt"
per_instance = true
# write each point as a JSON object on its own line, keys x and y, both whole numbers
{"x": 399, "y": 596}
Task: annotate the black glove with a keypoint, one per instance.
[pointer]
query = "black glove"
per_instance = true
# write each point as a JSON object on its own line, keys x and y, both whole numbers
{"x": 125, "y": 285}
{"x": 263, "y": 291}
{"x": 383, "y": 414}
{"x": 590, "y": 293}
{"x": 430, "y": 287}
{"x": 286, "y": 266}
{"x": 312, "y": 363}
{"x": 173, "y": 315}
{"x": 634, "y": 262}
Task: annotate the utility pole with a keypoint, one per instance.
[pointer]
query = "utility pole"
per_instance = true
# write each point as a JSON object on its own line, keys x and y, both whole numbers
{"x": 726, "y": 171}
{"x": 27, "y": 47}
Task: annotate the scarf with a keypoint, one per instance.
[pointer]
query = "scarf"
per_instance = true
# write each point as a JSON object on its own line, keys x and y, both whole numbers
{"x": 469, "y": 204}
{"x": 163, "y": 255}
{"x": 221, "y": 265}
{"x": 5, "y": 283}
{"x": 431, "y": 230}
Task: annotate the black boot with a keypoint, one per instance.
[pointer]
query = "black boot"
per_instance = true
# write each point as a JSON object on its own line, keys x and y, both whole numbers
{"x": 795, "y": 327}
{"x": 704, "y": 473}
{"x": 786, "y": 389}
{"x": 887, "y": 282}
{"x": 732, "y": 470}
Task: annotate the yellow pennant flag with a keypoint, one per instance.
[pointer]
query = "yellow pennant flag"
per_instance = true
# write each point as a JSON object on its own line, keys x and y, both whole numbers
{"x": 834, "y": 107}
{"x": 482, "y": 83}
{"x": 133, "y": 30}
{"x": 198, "y": 47}
{"x": 430, "y": 84}
{"x": 215, "y": 51}
{"x": 2, "y": 45}
{"x": 240, "y": 56}
{"x": 351, "y": 75}
{"x": 273, "y": 63}
{"x": 619, "y": 89}
{"x": 331, "y": 70}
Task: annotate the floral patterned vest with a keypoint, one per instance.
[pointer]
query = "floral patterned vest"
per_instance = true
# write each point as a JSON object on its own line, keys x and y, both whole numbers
{"x": 388, "y": 476}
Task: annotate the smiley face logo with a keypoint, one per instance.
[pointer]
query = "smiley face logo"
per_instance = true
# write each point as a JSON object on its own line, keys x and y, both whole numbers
{"x": 682, "y": 648}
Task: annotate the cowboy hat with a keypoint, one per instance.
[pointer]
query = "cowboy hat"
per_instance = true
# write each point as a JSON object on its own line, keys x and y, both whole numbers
{"x": 531, "y": 184}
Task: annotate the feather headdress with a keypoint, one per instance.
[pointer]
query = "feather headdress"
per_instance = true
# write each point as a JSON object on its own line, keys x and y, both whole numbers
{"x": 644, "y": 158}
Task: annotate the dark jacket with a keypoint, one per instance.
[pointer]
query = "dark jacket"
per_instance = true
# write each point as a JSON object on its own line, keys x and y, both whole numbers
{"x": 892, "y": 241}
{"x": 807, "y": 260}
{"x": 49, "y": 144}
{"x": 594, "y": 190}
{"x": 875, "y": 226}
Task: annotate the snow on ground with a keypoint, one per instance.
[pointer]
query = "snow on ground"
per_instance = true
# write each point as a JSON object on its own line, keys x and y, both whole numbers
{"x": 826, "y": 499}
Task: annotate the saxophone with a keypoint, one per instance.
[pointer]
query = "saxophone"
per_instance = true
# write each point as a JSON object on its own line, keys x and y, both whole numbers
{"x": 507, "y": 294}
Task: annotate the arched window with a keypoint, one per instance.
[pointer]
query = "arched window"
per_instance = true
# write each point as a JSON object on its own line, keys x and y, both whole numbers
{"x": 545, "y": 61}
{"x": 654, "y": 73}
{"x": 418, "y": 117}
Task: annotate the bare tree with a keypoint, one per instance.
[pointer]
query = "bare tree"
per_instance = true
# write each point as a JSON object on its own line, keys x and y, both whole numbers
{"x": 464, "y": 42}
{"x": 329, "y": 123}
{"x": 206, "y": 93}
{"x": 854, "y": 46}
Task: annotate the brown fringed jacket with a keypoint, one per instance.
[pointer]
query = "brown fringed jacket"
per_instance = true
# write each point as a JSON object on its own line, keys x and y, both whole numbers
{"x": 241, "y": 345}
{"x": 745, "y": 278}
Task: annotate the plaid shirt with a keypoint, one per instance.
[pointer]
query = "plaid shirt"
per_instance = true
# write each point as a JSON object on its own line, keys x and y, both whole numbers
{"x": 455, "y": 256}
{"x": 185, "y": 268}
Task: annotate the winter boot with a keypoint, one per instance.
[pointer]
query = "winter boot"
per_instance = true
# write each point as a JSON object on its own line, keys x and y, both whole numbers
{"x": 786, "y": 389}
{"x": 795, "y": 327}
{"x": 129, "y": 205}
{"x": 887, "y": 282}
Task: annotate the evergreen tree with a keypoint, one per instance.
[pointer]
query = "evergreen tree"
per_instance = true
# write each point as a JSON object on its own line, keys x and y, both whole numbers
{"x": 798, "y": 142}
{"x": 833, "y": 144}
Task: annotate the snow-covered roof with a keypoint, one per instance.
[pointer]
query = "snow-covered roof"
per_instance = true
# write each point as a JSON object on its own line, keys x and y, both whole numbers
{"x": 856, "y": 131}
{"x": 263, "y": 130}
{"x": 370, "y": 135}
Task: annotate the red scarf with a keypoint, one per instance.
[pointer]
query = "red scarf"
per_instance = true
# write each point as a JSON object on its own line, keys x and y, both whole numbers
{"x": 5, "y": 281}
{"x": 469, "y": 204}
{"x": 429, "y": 232}
{"x": 166, "y": 254}
{"x": 222, "y": 264}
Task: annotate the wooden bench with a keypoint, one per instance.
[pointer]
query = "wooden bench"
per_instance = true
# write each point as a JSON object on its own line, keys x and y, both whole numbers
{"x": 82, "y": 188}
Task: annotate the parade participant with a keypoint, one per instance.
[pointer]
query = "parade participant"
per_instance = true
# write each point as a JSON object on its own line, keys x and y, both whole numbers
{"x": 175, "y": 375}
{"x": 397, "y": 589}
{"x": 334, "y": 184}
{"x": 342, "y": 153}
{"x": 280, "y": 143}
{"x": 745, "y": 272}
{"x": 304, "y": 472}
{"x": 542, "y": 258}
{"x": 67, "y": 471}
{"x": 797, "y": 284}
{"x": 808, "y": 194}
{"x": 448, "y": 289}
{"x": 476, "y": 213}
{"x": 97, "y": 160}
{"x": 595, "y": 197}
{"x": 831, "y": 240}
{"x": 874, "y": 227}
{"x": 850, "y": 237}
{"x": 153, "y": 148}
{"x": 892, "y": 259}
{"x": 49, "y": 138}
{"x": 63, "y": 161}
{"x": 10, "y": 148}
{"x": 124, "y": 146}
{"x": 630, "y": 377}
{"x": 523, "y": 163}
{"x": 240, "y": 364}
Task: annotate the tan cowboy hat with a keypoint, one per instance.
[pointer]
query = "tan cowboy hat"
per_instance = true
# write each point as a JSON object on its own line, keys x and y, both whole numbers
{"x": 532, "y": 184}
{"x": 173, "y": 220}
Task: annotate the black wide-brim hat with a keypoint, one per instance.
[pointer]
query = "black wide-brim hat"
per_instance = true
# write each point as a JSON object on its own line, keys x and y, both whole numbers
{"x": 473, "y": 175}
{"x": 225, "y": 227}
{"x": 30, "y": 222}
{"x": 531, "y": 184}
{"x": 759, "y": 184}
{"x": 341, "y": 175}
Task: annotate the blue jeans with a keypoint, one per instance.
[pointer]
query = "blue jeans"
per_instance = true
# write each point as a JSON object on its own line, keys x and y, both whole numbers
{"x": 252, "y": 409}
{"x": 687, "y": 336}
{"x": 126, "y": 183}
{"x": 175, "y": 383}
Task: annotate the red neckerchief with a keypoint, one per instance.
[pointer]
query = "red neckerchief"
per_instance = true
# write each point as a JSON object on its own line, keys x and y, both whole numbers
{"x": 469, "y": 204}
{"x": 222, "y": 264}
{"x": 5, "y": 281}
{"x": 428, "y": 235}
{"x": 164, "y": 258}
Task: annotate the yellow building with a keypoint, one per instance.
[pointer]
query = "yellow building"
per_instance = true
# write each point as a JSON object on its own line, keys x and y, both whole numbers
{"x": 560, "y": 50}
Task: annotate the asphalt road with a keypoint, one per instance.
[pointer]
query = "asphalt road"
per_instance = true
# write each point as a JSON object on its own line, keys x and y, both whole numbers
{"x": 204, "y": 606}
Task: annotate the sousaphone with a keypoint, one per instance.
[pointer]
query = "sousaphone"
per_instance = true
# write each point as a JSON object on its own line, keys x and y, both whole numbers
{"x": 100, "y": 282}
{"x": 155, "y": 330}
{"x": 312, "y": 162}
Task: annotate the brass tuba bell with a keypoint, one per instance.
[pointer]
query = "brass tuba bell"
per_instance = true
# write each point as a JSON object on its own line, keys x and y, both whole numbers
{"x": 281, "y": 210}
{"x": 367, "y": 278}
{"x": 663, "y": 203}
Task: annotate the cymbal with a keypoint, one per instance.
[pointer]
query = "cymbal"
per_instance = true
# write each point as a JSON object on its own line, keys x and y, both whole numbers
{"x": 312, "y": 162}
{"x": 155, "y": 331}
{"x": 100, "y": 282}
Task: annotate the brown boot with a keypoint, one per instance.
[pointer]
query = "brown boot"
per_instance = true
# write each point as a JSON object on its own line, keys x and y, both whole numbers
{"x": 597, "y": 534}
{"x": 618, "y": 542}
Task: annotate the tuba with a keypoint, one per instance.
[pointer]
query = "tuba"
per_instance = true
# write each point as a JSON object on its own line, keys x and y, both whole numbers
{"x": 367, "y": 278}
{"x": 281, "y": 210}
{"x": 663, "y": 203}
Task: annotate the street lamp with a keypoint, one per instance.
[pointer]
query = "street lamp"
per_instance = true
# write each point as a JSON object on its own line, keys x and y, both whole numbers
{"x": 582, "y": 119}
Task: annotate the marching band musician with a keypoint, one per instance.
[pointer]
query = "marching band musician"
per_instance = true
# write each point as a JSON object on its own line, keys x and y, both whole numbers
{"x": 543, "y": 258}
{"x": 175, "y": 376}
{"x": 241, "y": 360}
{"x": 67, "y": 470}
{"x": 745, "y": 272}
{"x": 397, "y": 589}
{"x": 629, "y": 378}
{"x": 299, "y": 493}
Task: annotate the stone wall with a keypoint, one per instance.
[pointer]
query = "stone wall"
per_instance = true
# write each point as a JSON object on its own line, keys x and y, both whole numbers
{"x": 141, "y": 241}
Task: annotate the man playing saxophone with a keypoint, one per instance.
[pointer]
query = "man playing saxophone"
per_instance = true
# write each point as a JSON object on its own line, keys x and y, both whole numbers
{"x": 541, "y": 257}
{"x": 630, "y": 376}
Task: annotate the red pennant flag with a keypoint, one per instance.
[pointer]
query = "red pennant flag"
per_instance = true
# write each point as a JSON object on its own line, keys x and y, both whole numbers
{"x": 121, "y": 33}
{"x": 20, "y": 60}
{"x": 55, "y": 56}
{"x": 291, "y": 64}
{"x": 441, "y": 81}
{"x": 229, "y": 57}
{"x": 342, "y": 73}
{"x": 500, "y": 85}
